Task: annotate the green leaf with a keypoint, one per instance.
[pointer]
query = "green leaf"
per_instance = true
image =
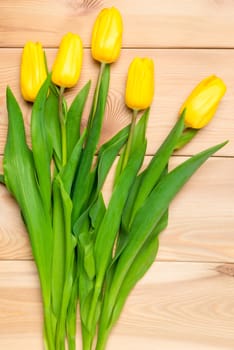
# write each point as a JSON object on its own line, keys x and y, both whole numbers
{"x": 84, "y": 180}
{"x": 140, "y": 131}
{"x": 109, "y": 227}
{"x": 106, "y": 157}
{"x": 74, "y": 115}
{"x": 69, "y": 171}
{"x": 72, "y": 312}
{"x": 2, "y": 180}
{"x": 40, "y": 146}
{"x": 52, "y": 124}
{"x": 141, "y": 264}
{"x": 87, "y": 245}
{"x": 138, "y": 137}
{"x": 186, "y": 137}
{"x": 152, "y": 173}
{"x": 144, "y": 259}
{"x": 91, "y": 219}
{"x": 124, "y": 236}
{"x": 67, "y": 253}
{"x": 97, "y": 211}
{"x": 82, "y": 224}
{"x": 59, "y": 253}
{"x": 110, "y": 224}
{"x": 85, "y": 288}
{"x": 108, "y": 153}
{"x": 86, "y": 265}
{"x": 149, "y": 215}
{"x": 19, "y": 174}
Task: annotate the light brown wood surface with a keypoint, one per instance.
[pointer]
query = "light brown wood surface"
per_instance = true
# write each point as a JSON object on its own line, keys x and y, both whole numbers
{"x": 177, "y": 305}
{"x": 186, "y": 299}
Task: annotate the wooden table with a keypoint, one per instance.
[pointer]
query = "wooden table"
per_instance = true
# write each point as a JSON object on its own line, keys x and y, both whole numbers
{"x": 186, "y": 300}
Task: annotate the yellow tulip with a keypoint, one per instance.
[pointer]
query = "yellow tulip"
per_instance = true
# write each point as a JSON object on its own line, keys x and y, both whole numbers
{"x": 140, "y": 84}
{"x": 202, "y": 103}
{"x": 107, "y": 36}
{"x": 33, "y": 70}
{"x": 67, "y": 65}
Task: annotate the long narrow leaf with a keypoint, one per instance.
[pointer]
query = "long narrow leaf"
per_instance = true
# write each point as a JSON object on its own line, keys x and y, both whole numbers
{"x": 124, "y": 236}
{"x": 69, "y": 252}
{"x": 52, "y": 124}
{"x": 59, "y": 251}
{"x": 108, "y": 153}
{"x": 138, "y": 137}
{"x": 19, "y": 174}
{"x": 110, "y": 224}
{"x": 152, "y": 173}
{"x": 69, "y": 171}
{"x": 40, "y": 144}
{"x": 109, "y": 227}
{"x": 151, "y": 212}
{"x": 140, "y": 265}
{"x": 97, "y": 212}
{"x": 74, "y": 115}
{"x": 82, "y": 185}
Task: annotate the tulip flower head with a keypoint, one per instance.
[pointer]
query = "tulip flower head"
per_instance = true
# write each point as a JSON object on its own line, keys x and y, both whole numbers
{"x": 67, "y": 65}
{"x": 33, "y": 71}
{"x": 202, "y": 103}
{"x": 140, "y": 84}
{"x": 107, "y": 36}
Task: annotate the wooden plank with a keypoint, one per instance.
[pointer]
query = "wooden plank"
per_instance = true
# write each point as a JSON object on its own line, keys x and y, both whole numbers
{"x": 175, "y": 306}
{"x": 157, "y": 23}
{"x": 200, "y": 226}
{"x": 177, "y": 72}
{"x": 186, "y": 299}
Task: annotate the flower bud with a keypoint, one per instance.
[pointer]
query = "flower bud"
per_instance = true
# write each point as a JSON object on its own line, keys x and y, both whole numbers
{"x": 202, "y": 103}
{"x": 68, "y": 62}
{"x": 140, "y": 84}
{"x": 107, "y": 35}
{"x": 33, "y": 70}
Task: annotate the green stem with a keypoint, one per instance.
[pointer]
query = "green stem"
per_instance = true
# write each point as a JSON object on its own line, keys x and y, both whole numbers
{"x": 83, "y": 183}
{"x": 48, "y": 331}
{"x": 88, "y": 336}
{"x": 62, "y": 119}
{"x": 93, "y": 306}
{"x": 96, "y": 93}
{"x": 187, "y": 135}
{"x": 87, "y": 339}
{"x": 127, "y": 150}
{"x": 102, "y": 339}
{"x": 48, "y": 322}
{"x": 61, "y": 324}
{"x": 71, "y": 316}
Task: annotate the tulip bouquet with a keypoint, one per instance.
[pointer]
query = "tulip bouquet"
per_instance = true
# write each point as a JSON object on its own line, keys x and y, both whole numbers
{"x": 88, "y": 252}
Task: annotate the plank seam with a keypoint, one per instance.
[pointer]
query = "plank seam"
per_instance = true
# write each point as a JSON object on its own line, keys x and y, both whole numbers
{"x": 157, "y": 260}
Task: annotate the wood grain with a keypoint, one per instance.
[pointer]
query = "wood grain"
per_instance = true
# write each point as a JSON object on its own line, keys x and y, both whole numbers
{"x": 201, "y": 218}
{"x": 175, "y": 306}
{"x": 185, "y": 302}
{"x": 152, "y": 23}
{"x": 177, "y": 73}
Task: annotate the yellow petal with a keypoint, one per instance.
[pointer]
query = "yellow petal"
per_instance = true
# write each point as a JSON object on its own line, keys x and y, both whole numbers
{"x": 203, "y": 101}
{"x": 33, "y": 70}
{"x": 140, "y": 84}
{"x": 107, "y": 36}
{"x": 67, "y": 65}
